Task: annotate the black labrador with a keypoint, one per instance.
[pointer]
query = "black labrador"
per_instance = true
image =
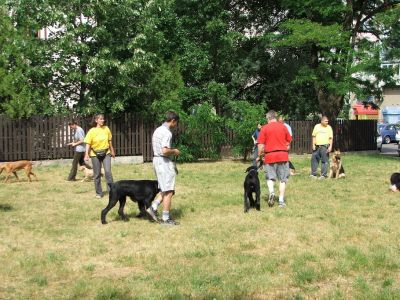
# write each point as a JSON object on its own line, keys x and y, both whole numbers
{"x": 251, "y": 186}
{"x": 141, "y": 191}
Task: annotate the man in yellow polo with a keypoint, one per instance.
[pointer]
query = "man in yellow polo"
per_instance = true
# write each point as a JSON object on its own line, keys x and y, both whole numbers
{"x": 322, "y": 140}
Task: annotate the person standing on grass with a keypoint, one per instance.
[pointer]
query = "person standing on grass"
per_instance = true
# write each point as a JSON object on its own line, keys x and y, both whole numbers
{"x": 254, "y": 136}
{"x": 164, "y": 168}
{"x": 100, "y": 149}
{"x": 79, "y": 152}
{"x": 281, "y": 119}
{"x": 322, "y": 140}
{"x": 273, "y": 143}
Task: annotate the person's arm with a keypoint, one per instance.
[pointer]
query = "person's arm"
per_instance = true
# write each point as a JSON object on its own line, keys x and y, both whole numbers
{"x": 330, "y": 144}
{"x": 330, "y": 140}
{"x": 111, "y": 148}
{"x": 87, "y": 151}
{"x": 170, "y": 151}
{"x": 313, "y": 143}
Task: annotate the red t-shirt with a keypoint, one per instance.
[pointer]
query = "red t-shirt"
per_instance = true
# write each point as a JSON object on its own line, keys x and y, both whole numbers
{"x": 275, "y": 138}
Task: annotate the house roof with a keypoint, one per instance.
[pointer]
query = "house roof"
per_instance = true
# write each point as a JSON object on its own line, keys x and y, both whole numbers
{"x": 360, "y": 109}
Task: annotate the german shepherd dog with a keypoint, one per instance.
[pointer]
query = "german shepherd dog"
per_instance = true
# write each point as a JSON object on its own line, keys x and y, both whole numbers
{"x": 251, "y": 186}
{"x": 336, "y": 166}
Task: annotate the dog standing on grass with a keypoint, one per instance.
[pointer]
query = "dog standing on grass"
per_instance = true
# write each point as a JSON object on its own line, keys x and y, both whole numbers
{"x": 141, "y": 191}
{"x": 336, "y": 166}
{"x": 14, "y": 166}
{"x": 251, "y": 186}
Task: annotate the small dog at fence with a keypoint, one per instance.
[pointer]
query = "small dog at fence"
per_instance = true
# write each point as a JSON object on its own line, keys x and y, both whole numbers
{"x": 395, "y": 182}
{"x": 251, "y": 186}
{"x": 88, "y": 173}
{"x": 141, "y": 191}
{"x": 13, "y": 166}
{"x": 336, "y": 166}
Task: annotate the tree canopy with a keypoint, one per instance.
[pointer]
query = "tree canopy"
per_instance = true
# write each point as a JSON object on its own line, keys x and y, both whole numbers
{"x": 299, "y": 57}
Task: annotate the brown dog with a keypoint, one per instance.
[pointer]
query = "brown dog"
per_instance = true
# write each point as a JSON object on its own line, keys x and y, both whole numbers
{"x": 336, "y": 167}
{"x": 88, "y": 173}
{"x": 14, "y": 166}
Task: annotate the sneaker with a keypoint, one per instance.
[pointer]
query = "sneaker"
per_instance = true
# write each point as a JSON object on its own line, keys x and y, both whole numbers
{"x": 169, "y": 222}
{"x": 313, "y": 176}
{"x": 271, "y": 199}
{"x": 152, "y": 213}
{"x": 282, "y": 205}
{"x": 98, "y": 196}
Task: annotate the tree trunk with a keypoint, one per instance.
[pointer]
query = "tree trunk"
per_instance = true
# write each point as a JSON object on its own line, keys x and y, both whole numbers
{"x": 329, "y": 103}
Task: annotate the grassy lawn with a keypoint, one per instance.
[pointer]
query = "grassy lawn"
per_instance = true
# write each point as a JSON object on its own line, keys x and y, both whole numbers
{"x": 336, "y": 239}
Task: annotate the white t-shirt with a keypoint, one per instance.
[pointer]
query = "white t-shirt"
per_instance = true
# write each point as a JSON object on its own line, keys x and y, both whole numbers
{"x": 162, "y": 137}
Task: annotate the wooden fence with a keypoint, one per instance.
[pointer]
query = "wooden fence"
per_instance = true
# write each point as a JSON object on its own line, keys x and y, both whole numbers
{"x": 45, "y": 138}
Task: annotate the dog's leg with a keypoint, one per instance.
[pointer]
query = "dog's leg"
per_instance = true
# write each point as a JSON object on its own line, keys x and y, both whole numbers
{"x": 142, "y": 210}
{"x": 112, "y": 200}
{"x": 122, "y": 201}
{"x": 15, "y": 174}
{"x": 258, "y": 199}
{"x": 246, "y": 202}
{"x": 337, "y": 170}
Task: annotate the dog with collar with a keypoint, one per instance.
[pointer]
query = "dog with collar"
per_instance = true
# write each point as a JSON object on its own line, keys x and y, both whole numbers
{"x": 251, "y": 186}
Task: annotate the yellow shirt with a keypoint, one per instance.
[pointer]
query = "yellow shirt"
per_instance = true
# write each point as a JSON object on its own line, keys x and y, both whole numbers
{"x": 322, "y": 134}
{"x": 98, "y": 138}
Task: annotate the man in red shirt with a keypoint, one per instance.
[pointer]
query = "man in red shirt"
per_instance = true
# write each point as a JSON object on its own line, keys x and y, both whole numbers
{"x": 274, "y": 141}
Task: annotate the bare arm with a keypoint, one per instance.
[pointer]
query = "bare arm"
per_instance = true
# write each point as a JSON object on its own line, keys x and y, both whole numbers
{"x": 313, "y": 143}
{"x": 111, "y": 148}
{"x": 170, "y": 152}
{"x": 87, "y": 150}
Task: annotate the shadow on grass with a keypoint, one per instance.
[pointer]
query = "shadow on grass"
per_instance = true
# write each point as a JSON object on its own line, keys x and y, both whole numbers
{"x": 5, "y": 207}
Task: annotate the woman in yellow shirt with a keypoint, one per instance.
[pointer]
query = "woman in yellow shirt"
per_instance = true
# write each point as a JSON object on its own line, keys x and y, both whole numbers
{"x": 100, "y": 149}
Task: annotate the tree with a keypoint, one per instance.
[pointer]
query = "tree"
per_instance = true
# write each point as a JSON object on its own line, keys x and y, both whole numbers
{"x": 22, "y": 93}
{"x": 340, "y": 39}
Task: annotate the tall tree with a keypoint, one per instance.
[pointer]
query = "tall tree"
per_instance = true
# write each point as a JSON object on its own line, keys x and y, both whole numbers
{"x": 340, "y": 39}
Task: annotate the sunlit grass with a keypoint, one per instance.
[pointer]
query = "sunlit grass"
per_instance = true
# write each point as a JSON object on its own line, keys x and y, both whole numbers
{"x": 337, "y": 239}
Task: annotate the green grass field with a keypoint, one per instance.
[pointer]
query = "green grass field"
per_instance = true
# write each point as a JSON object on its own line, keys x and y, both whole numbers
{"x": 336, "y": 239}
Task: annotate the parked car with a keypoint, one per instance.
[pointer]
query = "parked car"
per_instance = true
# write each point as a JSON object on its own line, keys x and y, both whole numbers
{"x": 388, "y": 132}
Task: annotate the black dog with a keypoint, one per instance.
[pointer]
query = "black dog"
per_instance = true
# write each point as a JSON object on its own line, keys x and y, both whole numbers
{"x": 395, "y": 182}
{"x": 251, "y": 185}
{"x": 140, "y": 191}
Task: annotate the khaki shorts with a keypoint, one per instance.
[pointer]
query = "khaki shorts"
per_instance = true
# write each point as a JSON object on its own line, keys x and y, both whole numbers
{"x": 165, "y": 172}
{"x": 278, "y": 171}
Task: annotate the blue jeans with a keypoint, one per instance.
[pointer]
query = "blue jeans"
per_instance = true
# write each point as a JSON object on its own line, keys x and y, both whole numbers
{"x": 320, "y": 154}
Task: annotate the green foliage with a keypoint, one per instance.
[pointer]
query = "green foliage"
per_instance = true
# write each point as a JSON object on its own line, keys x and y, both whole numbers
{"x": 243, "y": 119}
{"x": 203, "y": 136}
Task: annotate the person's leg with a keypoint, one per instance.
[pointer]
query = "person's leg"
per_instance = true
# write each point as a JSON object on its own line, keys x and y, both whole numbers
{"x": 107, "y": 171}
{"x": 97, "y": 176}
{"x": 315, "y": 162}
{"x": 283, "y": 173}
{"x": 270, "y": 175}
{"x": 324, "y": 161}
{"x": 255, "y": 155}
{"x": 74, "y": 167}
